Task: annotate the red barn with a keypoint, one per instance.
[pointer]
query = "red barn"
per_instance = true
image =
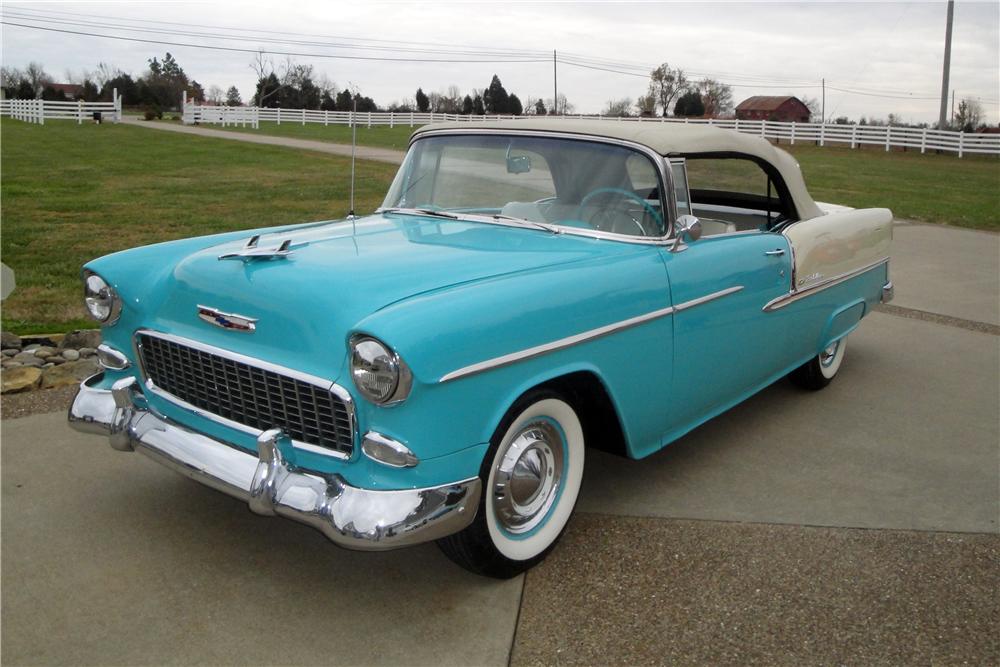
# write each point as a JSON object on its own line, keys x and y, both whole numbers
{"x": 766, "y": 107}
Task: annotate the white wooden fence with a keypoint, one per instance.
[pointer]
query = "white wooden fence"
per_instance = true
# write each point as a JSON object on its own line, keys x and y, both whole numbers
{"x": 39, "y": 111}
{"x": 854, "y": 136}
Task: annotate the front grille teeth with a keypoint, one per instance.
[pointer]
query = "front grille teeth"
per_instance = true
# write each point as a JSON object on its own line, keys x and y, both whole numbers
{"x": 254, "y": 396}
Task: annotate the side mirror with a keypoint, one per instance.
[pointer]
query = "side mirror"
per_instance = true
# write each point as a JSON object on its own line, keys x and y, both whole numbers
{"x": 686, "y": 228}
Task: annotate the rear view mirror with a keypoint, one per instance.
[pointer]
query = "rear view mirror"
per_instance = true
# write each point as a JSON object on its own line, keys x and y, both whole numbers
{"x": 686, "y": 228}
{"x": 518, "y": 164}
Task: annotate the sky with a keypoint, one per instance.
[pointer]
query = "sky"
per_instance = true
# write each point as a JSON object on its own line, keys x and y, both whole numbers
{"x": 876, "y": 58}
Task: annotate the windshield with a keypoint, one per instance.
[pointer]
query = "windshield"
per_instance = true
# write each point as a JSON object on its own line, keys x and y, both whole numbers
{"x": 571, "y": 183}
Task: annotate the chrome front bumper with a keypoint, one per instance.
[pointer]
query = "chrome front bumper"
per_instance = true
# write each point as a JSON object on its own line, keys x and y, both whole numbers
{"x": 351, "y": 517}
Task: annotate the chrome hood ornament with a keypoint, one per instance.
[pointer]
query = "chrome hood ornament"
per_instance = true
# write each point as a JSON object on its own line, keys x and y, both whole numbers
{"x": 229, "y": 321}
{"x": 251, "y": 252}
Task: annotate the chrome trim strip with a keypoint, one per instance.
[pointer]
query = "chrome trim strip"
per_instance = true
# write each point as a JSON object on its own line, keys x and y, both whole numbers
{"x": 576, "y": 339}
{"x": 666, "y": 178}
{"x": 350, "y": 516}
{"x": 326, "y": 385}
{"x": 794, "y": 295}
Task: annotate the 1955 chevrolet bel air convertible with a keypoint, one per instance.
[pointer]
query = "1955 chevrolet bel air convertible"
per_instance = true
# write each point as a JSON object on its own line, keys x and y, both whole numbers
{"x": 436, "y": 370}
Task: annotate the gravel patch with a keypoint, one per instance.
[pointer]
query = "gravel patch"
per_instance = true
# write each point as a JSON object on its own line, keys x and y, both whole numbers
{"x": 39, "y": 402}
{"x": 637, "y": 591}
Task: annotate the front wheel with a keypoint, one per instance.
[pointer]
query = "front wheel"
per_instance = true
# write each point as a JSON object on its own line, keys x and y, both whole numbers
{"x": 821, "y": 369}
{"x": 531, "y": 478}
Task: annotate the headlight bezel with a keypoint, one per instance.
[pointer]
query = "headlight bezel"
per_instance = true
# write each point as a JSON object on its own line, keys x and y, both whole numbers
{"x": 402, "y": 381}
{"x": 97, "y": 293}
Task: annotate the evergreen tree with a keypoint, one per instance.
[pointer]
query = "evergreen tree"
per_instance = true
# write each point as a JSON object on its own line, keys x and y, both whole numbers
{"x": 423, "y": 103}
{"x": 515, "y": 105}
{"x": 233, "y": 98}
{"x": 478, "y": 107}
{"x": 689, "y": 104}
{"x": 495, "y": 97}
{"x": 540, "y": 108}
{"x": 467, "y": 105}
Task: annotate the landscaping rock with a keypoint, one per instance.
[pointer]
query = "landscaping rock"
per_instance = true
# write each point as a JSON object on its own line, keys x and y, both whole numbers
{"x": 10, "y": 363}
{"x": 28, "y": 359}
{"x": 55, "y": 359}
{"x": 44, "y": 352}
{"x": 30, "y": 348}
{"x": 9, "y": 340}
{"x": 70, "y": 373}
{"x": 70, "y": 355}
{"x": 87, "y": 351}
{"x": 10, "y": 352}
{"x": 24, "y": 378}
{"x": 88, "y": 338}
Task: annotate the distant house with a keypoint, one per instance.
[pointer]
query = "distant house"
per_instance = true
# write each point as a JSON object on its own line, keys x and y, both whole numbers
{"x": 71, "y": 90}
{"x": 767, "y": 107}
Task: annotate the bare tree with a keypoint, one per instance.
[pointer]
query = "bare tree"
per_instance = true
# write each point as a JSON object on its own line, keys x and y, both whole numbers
{"x": 815, "y": 109}
{"x": 646, "y": 105}
{"x": 37, "y": 77}
{"x": 10, "y": 77}
{"x": 564, "y": 107}
{"x": 665, "y": 84}
{"x": 215, "y": 96}
{"x": 717, "y": 97}
{"x": 618, "y": 108}
{"x": 969, "y": 115}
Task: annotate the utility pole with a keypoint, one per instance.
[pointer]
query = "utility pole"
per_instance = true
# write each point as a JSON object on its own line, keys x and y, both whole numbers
{"x": 555, "y": 87}
{"x": 823, "y": 119}
{"x": 947, "y": 66}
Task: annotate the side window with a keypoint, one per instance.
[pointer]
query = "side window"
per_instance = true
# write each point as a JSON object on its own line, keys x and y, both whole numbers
{"x": 734, "y": 192}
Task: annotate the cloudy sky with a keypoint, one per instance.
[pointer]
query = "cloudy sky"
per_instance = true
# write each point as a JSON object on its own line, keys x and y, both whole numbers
{"x": 877, "y": 58}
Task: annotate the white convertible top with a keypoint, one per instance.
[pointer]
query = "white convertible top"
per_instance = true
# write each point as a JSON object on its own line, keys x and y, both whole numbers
{"x": 664, "y": 139}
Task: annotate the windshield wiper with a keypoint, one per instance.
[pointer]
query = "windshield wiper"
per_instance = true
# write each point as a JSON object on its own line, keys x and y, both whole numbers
{"x": 421, "y": 211}
{"x": 553, "y": 229}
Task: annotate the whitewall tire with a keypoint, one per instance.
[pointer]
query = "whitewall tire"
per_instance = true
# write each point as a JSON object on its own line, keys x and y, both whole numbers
{"x": 531, "y": 479}
{"x": 821, "y": 369}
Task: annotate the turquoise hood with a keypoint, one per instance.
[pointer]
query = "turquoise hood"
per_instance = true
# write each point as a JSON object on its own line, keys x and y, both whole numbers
{"x": 338, "y": 273}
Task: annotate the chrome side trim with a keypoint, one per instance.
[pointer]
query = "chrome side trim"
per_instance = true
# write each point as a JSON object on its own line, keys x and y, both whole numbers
{"x": 794, "y": 295}
{"x": 666, "y": 178}
{"x": 326, "y": 385}
{"x": 576, "y": 339}
{"x": 352, "y": 517}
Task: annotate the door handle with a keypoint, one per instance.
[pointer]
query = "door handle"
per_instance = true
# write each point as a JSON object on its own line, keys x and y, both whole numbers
{"x": 779, "y": 251}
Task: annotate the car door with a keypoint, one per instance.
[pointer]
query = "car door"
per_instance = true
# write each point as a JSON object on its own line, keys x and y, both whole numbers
{"x": 725, "y": 346}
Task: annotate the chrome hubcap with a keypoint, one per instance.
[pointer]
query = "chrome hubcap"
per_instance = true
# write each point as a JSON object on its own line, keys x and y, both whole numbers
{"x": 527, "y": 477}
{"x": 827, "y": 356}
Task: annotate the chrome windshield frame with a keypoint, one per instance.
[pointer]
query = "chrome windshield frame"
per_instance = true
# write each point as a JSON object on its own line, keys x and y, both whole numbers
{"x": 663, "y": 174}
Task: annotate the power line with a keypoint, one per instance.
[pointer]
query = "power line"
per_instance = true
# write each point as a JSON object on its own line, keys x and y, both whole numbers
{"x": 270, "y": 51}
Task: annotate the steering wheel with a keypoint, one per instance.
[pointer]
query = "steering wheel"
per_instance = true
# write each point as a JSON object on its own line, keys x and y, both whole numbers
{"x": 606, "y": 220}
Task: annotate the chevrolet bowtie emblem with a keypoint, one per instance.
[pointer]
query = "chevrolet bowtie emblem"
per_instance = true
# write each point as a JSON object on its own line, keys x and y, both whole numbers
{"x": 230, "y": 321}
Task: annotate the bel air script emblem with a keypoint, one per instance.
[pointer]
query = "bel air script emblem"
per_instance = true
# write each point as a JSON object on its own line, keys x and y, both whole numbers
{"x": 230, "y": 321}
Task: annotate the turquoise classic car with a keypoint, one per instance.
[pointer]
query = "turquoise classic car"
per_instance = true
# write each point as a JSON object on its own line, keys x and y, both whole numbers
{"x": 438, "y": 369}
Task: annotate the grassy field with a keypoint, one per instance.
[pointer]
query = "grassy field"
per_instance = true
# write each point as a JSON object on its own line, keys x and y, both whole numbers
{"x": 70, "y": 193}
{"x": 380, "y": 136}
{"x": 943, "y": 189}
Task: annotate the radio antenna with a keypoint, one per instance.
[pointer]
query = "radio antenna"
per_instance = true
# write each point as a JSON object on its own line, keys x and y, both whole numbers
{"x": 354, "y": 145}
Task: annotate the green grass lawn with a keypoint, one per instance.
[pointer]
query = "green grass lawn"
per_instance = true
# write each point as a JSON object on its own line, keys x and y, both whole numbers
{"x": 379, "y": 136}
{"x": 71, "y": 192}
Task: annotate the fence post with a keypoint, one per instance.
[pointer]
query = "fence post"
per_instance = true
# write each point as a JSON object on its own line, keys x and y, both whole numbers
{"x": 888, "y": 137}
{"x": 79, "y": 112}
{"x": 279, "y": 115}
{"x": 822, "y": 134}
{"x": 854, "y": 136}
{"x": 41, "y": 112}
{"x": 923, "y": 140}
{"x": 961, "y": 143}
{"x": 411, "y": 119}
{"x": 369, "y": 120}
{"x": 793, "y": 132}
{"x": 763, "y": 129}
{"x": 392, "y": 118}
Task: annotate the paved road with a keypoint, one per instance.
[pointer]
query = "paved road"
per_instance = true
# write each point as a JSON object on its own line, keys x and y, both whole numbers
{"x": 363, "y": 152}
{"x": 854, "y": 525}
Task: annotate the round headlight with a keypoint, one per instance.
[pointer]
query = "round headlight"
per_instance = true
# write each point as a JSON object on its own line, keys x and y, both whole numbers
{"x": 378, "y": 372}
{"x": 100, "y": 298}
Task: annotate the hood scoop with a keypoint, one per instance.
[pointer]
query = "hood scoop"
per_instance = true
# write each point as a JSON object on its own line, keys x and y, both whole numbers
{"x": 251, "y": 252}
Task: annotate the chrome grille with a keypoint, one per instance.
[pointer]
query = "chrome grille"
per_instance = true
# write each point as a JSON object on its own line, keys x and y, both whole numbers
{"x": 253, "y": 396}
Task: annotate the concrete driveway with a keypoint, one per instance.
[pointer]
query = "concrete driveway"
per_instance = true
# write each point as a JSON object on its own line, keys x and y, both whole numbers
{"x": 854, "y": 525}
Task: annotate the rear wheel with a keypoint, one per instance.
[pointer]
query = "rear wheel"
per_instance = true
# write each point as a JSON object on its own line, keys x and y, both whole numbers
{"x": 821, "y": 369}
{"x": 531, "y": 478}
